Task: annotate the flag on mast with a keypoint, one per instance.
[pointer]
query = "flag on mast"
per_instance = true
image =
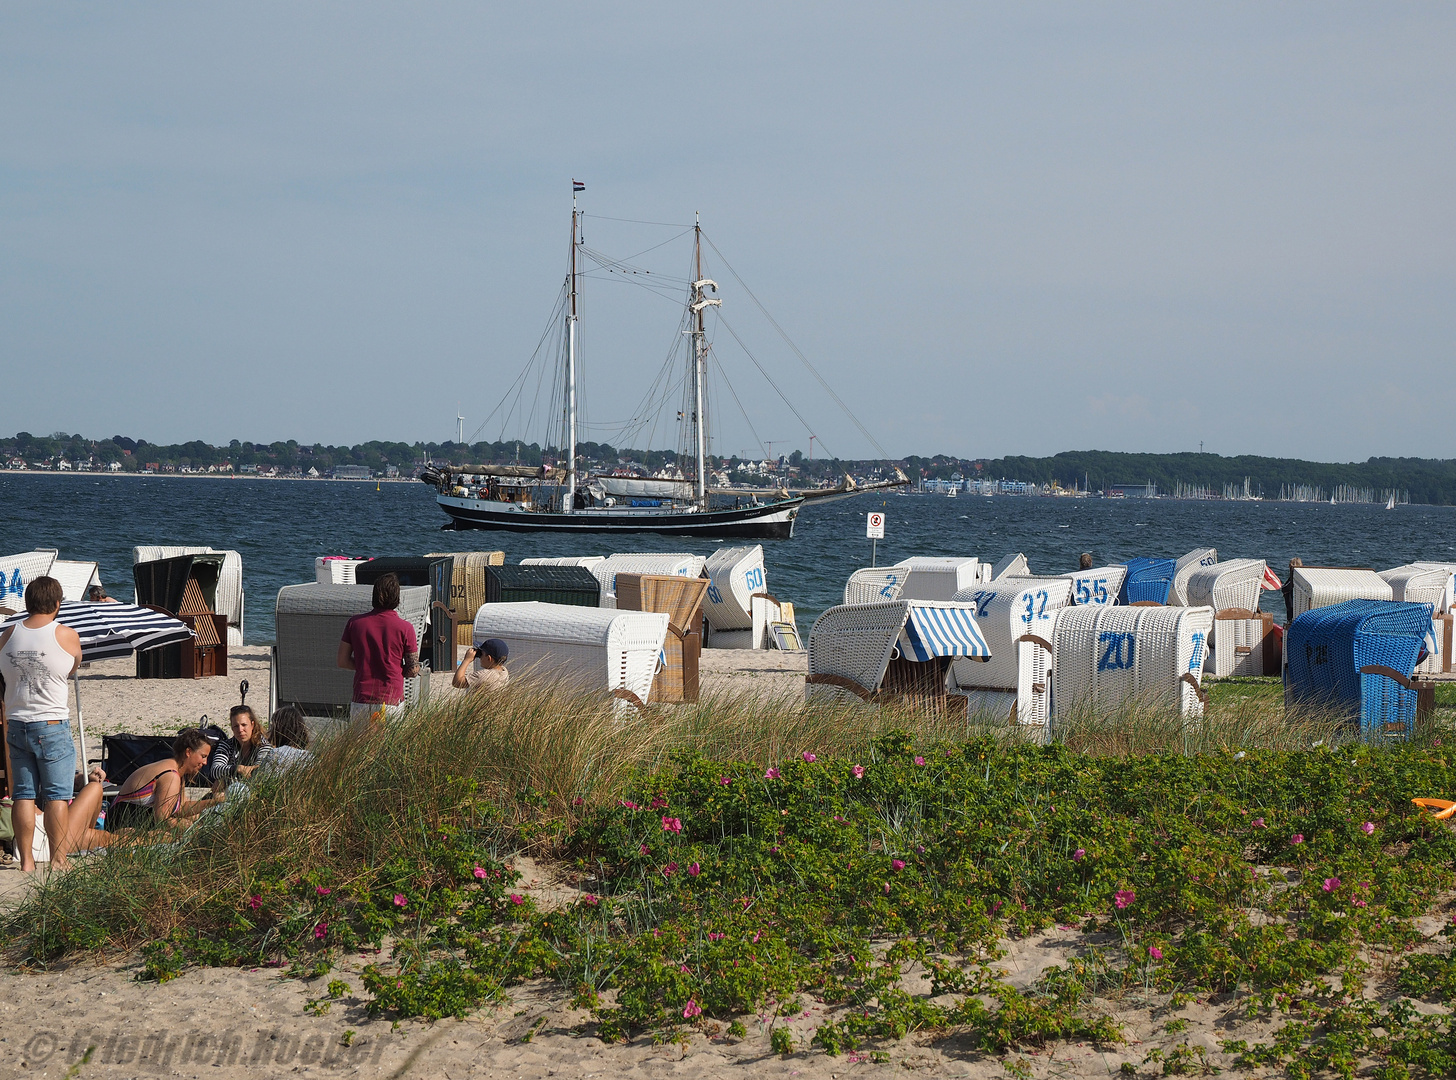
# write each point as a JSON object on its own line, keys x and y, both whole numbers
{"x": 1271, "y": 581}
{"x": 577, "y": 185}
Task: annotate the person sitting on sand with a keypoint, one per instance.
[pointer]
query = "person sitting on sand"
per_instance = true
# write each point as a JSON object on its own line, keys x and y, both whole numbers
{"x": 1085, "y": 562}
{"x": 237, "y": 755}
{"x": 97, "y": 595}
{"x": 488, "y": 671}
{"x": 157, "y": 793}
{"x": 287, "y": 744}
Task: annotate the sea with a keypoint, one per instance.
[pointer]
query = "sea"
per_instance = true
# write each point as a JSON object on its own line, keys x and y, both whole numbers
{"x": 280, "y": 526}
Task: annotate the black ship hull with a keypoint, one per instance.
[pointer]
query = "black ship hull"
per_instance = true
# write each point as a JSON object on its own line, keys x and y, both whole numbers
{"x": 774, "y": 521}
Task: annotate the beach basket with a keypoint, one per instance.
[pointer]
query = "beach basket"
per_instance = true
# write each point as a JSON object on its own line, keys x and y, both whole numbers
{"x": 1243, "y": 642}
{"x": 681, "y": 600}
{"x": 335, "y": 569}
{"x": 1147, "y": 581}
{"x": 874, "y": 585}
{"x": 1237, "y": 583}
{"x": 1011, "y": 566}
{"x": 1098, "y": 585}
{"x": 734, "y": 575}
{"x": 573, "y": 586}
{"x": 1356, "y": 659}
{"x": 590, "y": 649}
{"x": 606, "y": 571}
{"x": 1016, "y": 615}
{"x": 230, "y": 599}
{"x": 76, "y": 577}
{"x": 940, "y": 578}
{"x": 568, "y": 560}
{"x": 1423, "y": 583}
{"x": 899, "y": 650}
{"x": 1105, "y": 657}
{"x": 436, "y": 573}
{"x": 18, "y": 571}
{"x": 467, "y": 586}
{"x": 1318, "y": 587}
{"x": 309, "y": 622}
{"x": 1190, "y": 564}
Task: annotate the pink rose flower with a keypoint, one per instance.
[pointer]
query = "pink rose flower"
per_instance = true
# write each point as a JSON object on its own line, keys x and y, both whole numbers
{"x": 919, "y": 760}
{"x": 1368, "y": 828}
{"x": 399, "y": 900}
{"x": 479, "y": 872}
{"x": 1360, "y": 903}
{"x": 1155, "y": 952}
{"x": 1079, "y": 854}
{"x": 1123, "y": 897}
{"x": 320, "y": 931}
{"x": 724, "y": 781}
{"x": 810, "y": 758}
{"x": 858, "y": 771}
{"x": 693, "y": 1009}
{"x": 887, "y": 888}
{"x": 517, "y": 898}
{"x": 323, "y": 891}
{"x": 694, "y": 870}
{"x": 1297, "y": 838}
{"x": 669, "y": 869}
{"x": 642, "y": 849}
{"x": 771, "y": 774}
{"x": 671, "y": 824}
{"x": 592, "y": 899}
{"x": 1331, "y": 884}
{"x": 1257, "y": 823}
{"x": 897, "y": 864}
{"x": 255, "y": 902}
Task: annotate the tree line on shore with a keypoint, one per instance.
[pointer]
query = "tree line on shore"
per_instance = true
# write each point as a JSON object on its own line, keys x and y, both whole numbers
{"x": 1428, "y": 481}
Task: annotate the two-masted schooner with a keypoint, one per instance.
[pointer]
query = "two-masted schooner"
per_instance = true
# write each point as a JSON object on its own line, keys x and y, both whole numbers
{"x": 560, "y": 498}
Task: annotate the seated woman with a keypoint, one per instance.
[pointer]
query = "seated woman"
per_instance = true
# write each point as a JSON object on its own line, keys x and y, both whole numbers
{"x": 235, "y": 756}
{"x": 157, "y": 793}
{"x": 287, "y": 741}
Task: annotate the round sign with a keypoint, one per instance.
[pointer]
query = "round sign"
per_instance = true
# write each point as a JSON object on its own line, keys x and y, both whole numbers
{"x": 876, "y": 520}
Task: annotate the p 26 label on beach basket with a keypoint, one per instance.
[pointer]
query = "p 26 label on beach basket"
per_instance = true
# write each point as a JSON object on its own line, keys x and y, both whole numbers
{"x": 875, "y": 526}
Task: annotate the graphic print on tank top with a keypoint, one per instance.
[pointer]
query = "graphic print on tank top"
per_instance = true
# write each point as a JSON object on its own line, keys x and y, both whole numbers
{"x": 32, "y": 668}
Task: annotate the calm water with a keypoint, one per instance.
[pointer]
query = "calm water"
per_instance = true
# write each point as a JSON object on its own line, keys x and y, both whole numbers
{"x": 279, "y": 526}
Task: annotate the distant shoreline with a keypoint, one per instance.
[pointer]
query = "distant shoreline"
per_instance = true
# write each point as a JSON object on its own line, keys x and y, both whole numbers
{"x": 202, "y": 476}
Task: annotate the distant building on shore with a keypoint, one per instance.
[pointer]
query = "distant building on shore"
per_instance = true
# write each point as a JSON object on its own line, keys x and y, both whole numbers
{"x": 352, "y": 472}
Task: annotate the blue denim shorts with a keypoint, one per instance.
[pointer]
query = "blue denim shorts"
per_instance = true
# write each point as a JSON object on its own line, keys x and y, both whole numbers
{"x": 43, "y": 760}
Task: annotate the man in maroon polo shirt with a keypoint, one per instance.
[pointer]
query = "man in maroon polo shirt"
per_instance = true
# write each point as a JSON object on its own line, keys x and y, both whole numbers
{"x": 381, "y": 649}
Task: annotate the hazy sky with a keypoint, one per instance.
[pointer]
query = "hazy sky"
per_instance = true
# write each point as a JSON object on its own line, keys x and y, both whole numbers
{"x": 997, "y": 229}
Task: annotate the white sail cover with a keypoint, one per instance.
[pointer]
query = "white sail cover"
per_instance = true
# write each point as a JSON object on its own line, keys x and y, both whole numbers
{"x": 641, "y": 488}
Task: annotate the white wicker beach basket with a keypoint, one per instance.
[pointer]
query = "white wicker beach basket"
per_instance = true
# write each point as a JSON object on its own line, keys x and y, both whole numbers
{"x": 1423, "y": 583}
{"x": 335, "y": 570}
{"x": 734, "y": 575}
{"x": 1097, "y": 586}
{"x": 1011, "y": 566}
{"x": 874, "y": 585}
{"x": 607, "y": 570}
{"x": 1017, "y": 616}
{"x": 1316, "y": 587}
{"x": 76, "y": 577}
{"x": 1233, "y": 584}
{"x": 571, "y": 560}
{"x": 1190, "y": 564}
{"x": 588, "y": 648}
{"x": 310, "y": 619}
{"x": 939, "y": 578}
{"x": 1105, "y": 656}
{"x": 230, "y": 599}
{"x": 1237, "y": 644}
{"x": 18, "y": 571}
{"x": 853, "y": 641}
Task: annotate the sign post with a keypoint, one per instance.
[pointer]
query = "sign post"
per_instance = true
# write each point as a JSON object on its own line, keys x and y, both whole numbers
{"x": 874, "y": 532}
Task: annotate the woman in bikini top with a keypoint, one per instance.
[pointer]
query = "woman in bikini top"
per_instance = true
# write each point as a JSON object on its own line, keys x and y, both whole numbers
{"x": 156, "y": 794}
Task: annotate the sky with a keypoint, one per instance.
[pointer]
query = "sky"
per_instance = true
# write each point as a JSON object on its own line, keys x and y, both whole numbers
{"x": 993, "y": 229}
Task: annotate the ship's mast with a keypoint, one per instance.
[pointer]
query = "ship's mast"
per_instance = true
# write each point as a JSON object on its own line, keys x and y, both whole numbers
{"x": 569, "y": 500}
{"x": 700, "y": 359}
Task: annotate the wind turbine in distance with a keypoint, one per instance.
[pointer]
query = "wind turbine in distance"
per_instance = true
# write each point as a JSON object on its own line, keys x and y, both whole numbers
{"x": 460, "y": 420}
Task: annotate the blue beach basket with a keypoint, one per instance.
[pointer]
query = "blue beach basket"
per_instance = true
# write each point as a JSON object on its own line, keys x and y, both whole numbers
{"x": 1326, "y": 649}
{"x": 1147, "y": 580}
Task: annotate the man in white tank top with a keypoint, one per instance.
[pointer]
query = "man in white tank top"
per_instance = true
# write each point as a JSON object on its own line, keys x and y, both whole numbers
{"x": 37, "y": 657}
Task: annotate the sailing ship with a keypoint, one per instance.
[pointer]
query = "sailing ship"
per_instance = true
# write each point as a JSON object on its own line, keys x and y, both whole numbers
{"x": 562, "y": 498}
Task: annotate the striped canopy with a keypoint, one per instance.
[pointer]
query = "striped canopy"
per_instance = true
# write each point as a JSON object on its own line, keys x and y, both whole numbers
{"x": 942, "y": 631}
{"x": 111, "y": 630}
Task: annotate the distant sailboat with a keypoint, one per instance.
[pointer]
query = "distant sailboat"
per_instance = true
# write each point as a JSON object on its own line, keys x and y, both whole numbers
{"x": 1390, "y": 502}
